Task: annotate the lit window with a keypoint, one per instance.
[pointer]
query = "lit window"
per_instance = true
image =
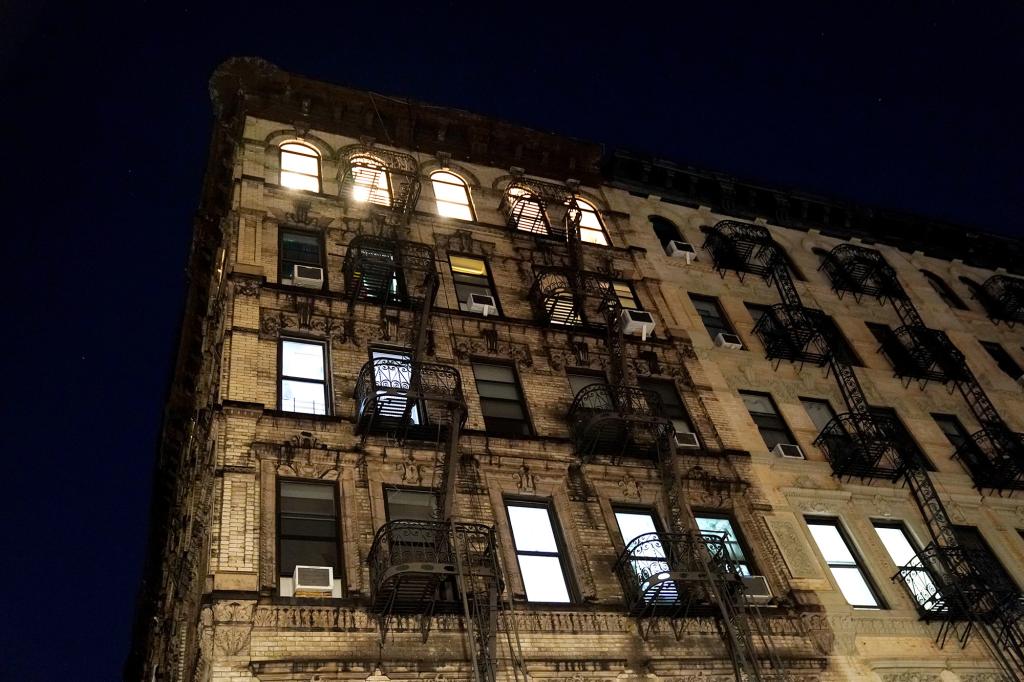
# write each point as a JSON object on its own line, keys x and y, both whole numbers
{"x": 843, "y": 563}
{"x": 300, "y": 167}
{"x": 452, "y": 195}
{"x": 307, "y": 526}
{"x": 722, "y": 527}
{"x": 393, "y": 378}
{"x": 647, "y": 557}
{"x": 526, "y": 211}
{"x": 538, "y": 552}
{"x": 624, "y": 292}
{"x": 370, "y": 181}
{"x": 302, "y": 378}
{"x": 901, "y": 550}
{"x": 471, "y": 277}
{"x": 591, "y": 228}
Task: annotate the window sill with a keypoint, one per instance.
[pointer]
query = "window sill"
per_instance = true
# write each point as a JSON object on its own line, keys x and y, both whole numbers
{"x": 329, "y": 418}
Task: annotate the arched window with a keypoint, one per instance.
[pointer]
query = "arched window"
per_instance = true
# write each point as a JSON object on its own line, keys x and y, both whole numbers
{"x": 943, "y": 290}
{"x": 977, "y": 293}
{"x": 370, "y": 180}
{"x": 300, "y": 166}
{"x": 526, "y": 210}
{"x": 665, "y": 230}
{"x": 591, "y": 228}
{"x": 452, "y": 195}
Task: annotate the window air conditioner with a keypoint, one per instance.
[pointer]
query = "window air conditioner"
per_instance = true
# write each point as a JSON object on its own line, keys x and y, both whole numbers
{"x": 724, "y": 340}
{"x": 678, "y": 249}
{"x": 757, "y": 591}
{"x": 685, "y": 439}
{"x": 308, "y": 276}
{"x": 634, "y": 321}
{"x": 789, "y": 450}
{"x": 313, "y": 580}
{"x": 482, "y": 303}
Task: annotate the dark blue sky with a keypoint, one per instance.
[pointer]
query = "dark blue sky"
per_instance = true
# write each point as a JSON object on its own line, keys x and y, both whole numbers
{"x": 107, "y": 118}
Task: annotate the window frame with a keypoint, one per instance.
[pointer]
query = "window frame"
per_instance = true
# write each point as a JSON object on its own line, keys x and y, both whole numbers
{"x": 778, "y": 415}
{"x": 281, "y": 169}
{"x": 727, "y": 326}
{"x": 284, "y": 229}
{"x": 426, "y": 490}
{"x": 373, "y": 189}
{"x": 339, "y": 571}
{"x": 490, "y": 280}
{"x": 527, "y": 418}
{"x": 328, "y": 391}
{"x": 817, "y": 401}
{"x": 958, "y": 426}
{"x": 587, "y": 206}
{"x": 465, "y": 189}
{"x": 945, "y": 292}
{"x": 654, "y": 219}
{"x": 748, "y": 561}
{"x": 891, "y": 412}
{"x": 648, "y": 381}
{"x": 571, "y": 588}
{"x": 994, "y": 349}
{"x": 858, "y": 562}
{"x": 850, "y": 353}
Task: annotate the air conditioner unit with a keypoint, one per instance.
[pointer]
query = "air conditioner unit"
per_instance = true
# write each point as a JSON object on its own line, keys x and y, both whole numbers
{"x": 684, "y": 439}
{"x": 482, "y": 303}
{"x": 757, "y": 591}
{"x": 634, "y": 321}
{"x": 678, "y": 249}
{"x": 790, "y": 450}
{"x": 313, "y": 580}
{"x": 724, "y": 340}
{"x": 308, "y": 276}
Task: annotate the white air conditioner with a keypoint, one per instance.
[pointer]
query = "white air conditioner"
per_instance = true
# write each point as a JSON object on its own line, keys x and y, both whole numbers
{"x": 789, "y": 450}
{"x": 724, "y": 340}
{"x": 634, "y": 321}
{"x": 482, "y": 303}
{"x": 684, "y": 439}
{"x": 678, "y": 249}
{"x": 314, "y": 580}
{"x": 308, "y": 276}
{"x": 757, "y": 590}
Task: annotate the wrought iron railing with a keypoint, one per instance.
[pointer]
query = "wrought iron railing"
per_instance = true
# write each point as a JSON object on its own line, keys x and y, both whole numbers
{"x": 741, "y": 247}
{"x": 793, "y": 333}
{"x": 390, "y": 391}
{"x": 994, "y": 458}
{"x": 617, "y": 420}
{"x": 860, "y": 271}
{"x": 866, "y": 446}
{"x": 379, "y": 179}
{"x": 925, "y": 354}
{"x": 529, "y": 205}
{"x": 565, "y": 298}
{"x": 667, "y": 573}
{"x": 1004, "y": 298}
{"x": 379, "y": 269}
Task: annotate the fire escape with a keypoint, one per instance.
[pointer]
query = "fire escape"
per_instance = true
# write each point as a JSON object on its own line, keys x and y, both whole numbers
{"x": 674, "y": 575}
{"x": 868, "y": 446}
{"x": 1003, "y": 298}
{"x": 417, "y": 568}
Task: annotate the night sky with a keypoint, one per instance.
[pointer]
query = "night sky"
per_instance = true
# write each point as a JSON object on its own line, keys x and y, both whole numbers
{"x": 107, "y": 119}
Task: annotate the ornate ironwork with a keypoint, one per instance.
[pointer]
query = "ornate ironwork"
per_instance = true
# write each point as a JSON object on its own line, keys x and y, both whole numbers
{"x": 414, "y": 566}
{"x": 617, "y": 420}
{"x": 417, "y": 398}
{"x": 866, "y": 446}
{"x": 667, "y": 574}
{"x": 994, "y": 459}
{"x": 563, "y": 297}
{"x": 379, "y": 180}
{"x": 387, "y": 271}
{"x": 927, "y": 355}
{"x": 740, "y": 247}
{"x": 793, "y": 333}
{"x": 860, "y": 271}
{"x": 527, "y": 206}
{"x": 1003, "y": 298}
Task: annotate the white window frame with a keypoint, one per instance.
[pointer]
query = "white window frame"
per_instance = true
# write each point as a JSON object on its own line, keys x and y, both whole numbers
{"x": 296, "y": 179}
{"x": 450, "y": 208}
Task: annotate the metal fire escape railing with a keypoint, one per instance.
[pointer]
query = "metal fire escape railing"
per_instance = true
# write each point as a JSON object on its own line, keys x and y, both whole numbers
{"x": 382, "y": 182}
{"x": 618, "y": 421}
{"x": 1003, "y": 298}
{"x": 860, "y": 443}
{"x": 531, "y": 207}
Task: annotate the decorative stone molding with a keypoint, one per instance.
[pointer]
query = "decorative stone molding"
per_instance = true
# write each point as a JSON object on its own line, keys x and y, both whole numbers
{"x": 797, "y": 554}
{"x": 630, "y": 487}
{"x": 464, "y": 241}
{"x": 525, "y": 481}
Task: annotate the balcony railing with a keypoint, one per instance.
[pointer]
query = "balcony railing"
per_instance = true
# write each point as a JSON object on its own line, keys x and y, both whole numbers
{"x": 414, "y": 566}
{"x": 617, "y": 421}
{"x": 537, "y": 208}
{"x": 866, "y": 446}
{"x": 417, "y": 398}
{"x": 379, "y": 180}
{"x": 742, "y": 247}
{"x": 1004, "y": 298}
{"x": 668, "y": 574}
{"x": 380, "y": 270}
{"x": 860, "y": 271}
{"x": 793, "y": 333}
{"x": 994, "y": 459}
{"x": 559, "y": 301}
{"x": 925, "y": 354}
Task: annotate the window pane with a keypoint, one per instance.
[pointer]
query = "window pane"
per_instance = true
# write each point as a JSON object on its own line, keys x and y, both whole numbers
{"x": 531, "y": 528}
{"x": 302, "y": 360}
{"x": 299, "y": 163}
{"x": 502, "y": 409}
{"x": 758, "y": 403}
{"x": 411, "y": 505}
{"x": 468, "y": 266}
{"x": 448, "y": 187}
{"x": 853, "y": 586}
{"x": 635, "y": 524}
{"x": 593, "y": 236}
{"x": 302, "y": 248}
{"x": 543, "y": 579}
{"x": 303, "y": 396}
{"x": 723, "y": 528}
{"x": 494, "y": 389}
{"x": 578, "y": 382}
{"x": 819, "y": 411}
{"x": 831, "y": 544}
{"x": 493, "y": 373}
{"x": 315, "y": 527}
{"x": 896, "y": 543}
{"x": 450, "y": 210}
{"x": 298, "y": 181}
{"x": 307, "y": 553}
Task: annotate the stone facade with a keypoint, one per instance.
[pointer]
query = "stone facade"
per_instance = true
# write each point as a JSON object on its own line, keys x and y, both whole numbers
{"x": 212, "y": 605}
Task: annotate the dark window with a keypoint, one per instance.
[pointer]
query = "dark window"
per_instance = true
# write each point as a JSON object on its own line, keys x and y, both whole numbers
{"x": 665, "y": 230}
{"x": 411, "y": 504}
{"x": 844, "y": 563}
{"x": 670, "y": 401}
{"x": 952, "y": 429}
{"x": 977, "y": 293}
{"x": 894, "y": 350}
{"x": 838, "y": 343}
{"x": 903, "y": 551}
{"x": 581, "y": 378}
{"x": 501, "y": 401}
{"x": 471, "y": 276}
{"x": 307, "y": 526}
{"x": 711, "y": 315}
{"x": 820, "y": 253}
{"x": 757, "y": 311}
{"x": 301, "y": 377}
{"x": 722, "y": 526}
{"x": 298, "y": 248}
{"x": 1003, "y": 359}
{"x": 942, "y": 289}
{"x": 902, "y": 434}
{"x": 971, "y": 539}
{"x": 538, "y": 551}
{"x": 820, "y": 411}
{"x": 766, "y": 416}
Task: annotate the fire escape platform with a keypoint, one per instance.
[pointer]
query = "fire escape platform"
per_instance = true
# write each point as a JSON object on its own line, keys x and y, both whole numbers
{"x": 416, "y": 399}
{"x": 617, "y": 421}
